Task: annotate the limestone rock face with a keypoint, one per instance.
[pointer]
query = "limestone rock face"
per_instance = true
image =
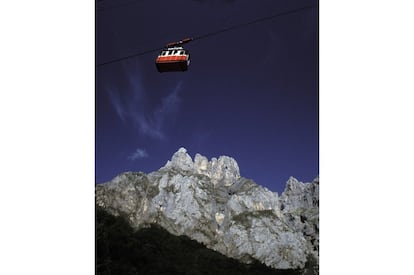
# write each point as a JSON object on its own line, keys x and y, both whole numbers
{"x": 181, "y": 160}
{"x": 300, "y": 205}
{"x": 211, "y": 203}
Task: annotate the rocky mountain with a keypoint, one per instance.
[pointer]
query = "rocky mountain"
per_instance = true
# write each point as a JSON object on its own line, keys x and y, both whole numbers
{"x": 209, "y": 202}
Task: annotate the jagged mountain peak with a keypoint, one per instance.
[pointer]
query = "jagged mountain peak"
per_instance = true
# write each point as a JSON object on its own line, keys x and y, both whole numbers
{"x": 210, "y": 202}
{"x": 181, "y": 160}
{"x": 224, "y": 170}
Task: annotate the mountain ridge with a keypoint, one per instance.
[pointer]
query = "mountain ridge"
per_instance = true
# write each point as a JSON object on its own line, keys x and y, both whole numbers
{"x": 210, "y": 202}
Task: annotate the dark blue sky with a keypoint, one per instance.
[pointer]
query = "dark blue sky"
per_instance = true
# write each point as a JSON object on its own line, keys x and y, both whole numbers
{"x": 250, "y": 93}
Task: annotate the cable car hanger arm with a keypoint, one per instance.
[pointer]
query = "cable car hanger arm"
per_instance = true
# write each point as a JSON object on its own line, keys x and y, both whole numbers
{"x": 179, "y": 43}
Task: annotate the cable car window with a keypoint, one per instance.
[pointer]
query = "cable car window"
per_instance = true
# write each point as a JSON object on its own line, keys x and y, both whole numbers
{"x": 175, "y": 51}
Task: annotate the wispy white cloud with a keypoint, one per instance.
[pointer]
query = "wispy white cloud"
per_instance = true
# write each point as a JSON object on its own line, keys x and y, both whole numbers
{"x": 131, "y": 108}
{"x": 138, "y": 154}
{"x": 117, "y": 104}
{"x": 154, "y": 124}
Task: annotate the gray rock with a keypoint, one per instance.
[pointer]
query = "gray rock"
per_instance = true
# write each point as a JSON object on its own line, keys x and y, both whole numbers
{"x": 211, "y": 203}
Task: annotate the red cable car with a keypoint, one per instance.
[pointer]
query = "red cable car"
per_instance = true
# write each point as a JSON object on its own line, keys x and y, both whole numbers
{"x": 174, "y": 58}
